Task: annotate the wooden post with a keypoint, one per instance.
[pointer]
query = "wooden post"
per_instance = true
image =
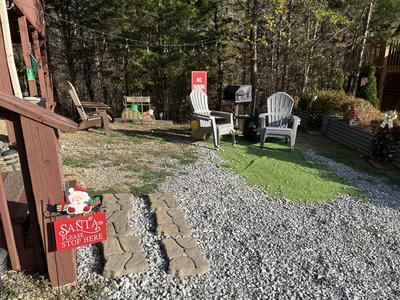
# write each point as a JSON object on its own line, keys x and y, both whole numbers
{"x": 49, "y": 84}
{"x": 42, "y": 155}
{"x": 23, "y": 31}
{"x": 382, "y": 75}
{"x": 8, "y": 229}
{"x": 34, "y": 218}
{"x": 5, "y": 85}
{"x": 38, "y": 55}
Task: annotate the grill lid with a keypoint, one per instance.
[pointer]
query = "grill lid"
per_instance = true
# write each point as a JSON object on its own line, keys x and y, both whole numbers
{"x": 238, "y": 93}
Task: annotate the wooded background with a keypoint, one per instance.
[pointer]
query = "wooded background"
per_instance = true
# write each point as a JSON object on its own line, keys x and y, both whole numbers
{"x": 297, "y": 46}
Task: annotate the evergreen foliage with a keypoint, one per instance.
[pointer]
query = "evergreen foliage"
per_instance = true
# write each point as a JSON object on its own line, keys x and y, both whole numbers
{"x": 370, "y": 92}
{"x": 339, "y": 81}
{"x": 302, "y": 46}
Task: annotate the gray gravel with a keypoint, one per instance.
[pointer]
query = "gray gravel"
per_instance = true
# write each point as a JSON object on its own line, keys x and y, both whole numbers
{"x": 263, "y": 248}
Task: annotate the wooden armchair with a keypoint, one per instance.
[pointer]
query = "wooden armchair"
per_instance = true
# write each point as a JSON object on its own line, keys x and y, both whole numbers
{"x": 94, "y": 118}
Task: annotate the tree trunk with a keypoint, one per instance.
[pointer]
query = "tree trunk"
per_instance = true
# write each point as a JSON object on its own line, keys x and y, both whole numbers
{"x": 220, "y": 78}
{"x": 287, "y": 50}
{"x": 254, "y": 17}
{"x": 307, "y": 65}
{"x": 354, "y": 84}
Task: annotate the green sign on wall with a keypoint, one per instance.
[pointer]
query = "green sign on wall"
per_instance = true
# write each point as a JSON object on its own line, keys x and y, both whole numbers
{"x": 30, "y": 74}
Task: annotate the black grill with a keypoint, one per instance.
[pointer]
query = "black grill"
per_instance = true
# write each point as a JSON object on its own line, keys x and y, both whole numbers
{"x": 238, "y": 93}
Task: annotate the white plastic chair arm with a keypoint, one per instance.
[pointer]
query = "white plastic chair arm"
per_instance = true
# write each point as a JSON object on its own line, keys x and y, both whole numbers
{"x": 263, "y": 120}
{"x": 296, "y": 120}
{"x": 225, "y": 115}
{"x": 203, "y": 117}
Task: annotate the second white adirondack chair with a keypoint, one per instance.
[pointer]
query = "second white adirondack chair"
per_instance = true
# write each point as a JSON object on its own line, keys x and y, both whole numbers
{"x": 207, "y": 118}
{"x": 275, "y": 122}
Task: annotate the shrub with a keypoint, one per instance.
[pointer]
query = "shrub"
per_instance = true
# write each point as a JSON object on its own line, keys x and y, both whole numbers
{"x": 384, "y": 143}
{"x": 331, "y": 102}
{"x": 365, "y": 111}
{"x": 339, "y": 81}
{"x": 398, "y": 107}
{"x": 304, "y": 101}
{"x": 370, "y": 92}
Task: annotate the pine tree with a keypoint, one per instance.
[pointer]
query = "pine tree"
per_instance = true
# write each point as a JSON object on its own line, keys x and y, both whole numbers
{"x": 370, "y": 92}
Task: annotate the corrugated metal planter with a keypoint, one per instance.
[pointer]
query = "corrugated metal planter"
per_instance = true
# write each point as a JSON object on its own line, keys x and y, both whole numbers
{"x": 339, "y": 130}
{"x": 3, "y": 261}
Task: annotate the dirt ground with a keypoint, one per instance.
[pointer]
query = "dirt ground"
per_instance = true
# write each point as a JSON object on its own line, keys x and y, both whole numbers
{"x": 133, "y": 159}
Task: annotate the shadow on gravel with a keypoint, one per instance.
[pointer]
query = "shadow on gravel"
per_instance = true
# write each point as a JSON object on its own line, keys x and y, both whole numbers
{"x": 171, "y": 135}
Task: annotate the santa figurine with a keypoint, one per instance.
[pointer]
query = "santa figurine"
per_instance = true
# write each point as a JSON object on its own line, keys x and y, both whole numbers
{"x": 78, "y": 199}
{"x": 353, "y": 116}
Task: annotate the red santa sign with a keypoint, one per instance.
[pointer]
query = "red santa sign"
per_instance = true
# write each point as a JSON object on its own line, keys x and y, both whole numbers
{"x": 80, "y": 231}
{"x": 199, "y": 80}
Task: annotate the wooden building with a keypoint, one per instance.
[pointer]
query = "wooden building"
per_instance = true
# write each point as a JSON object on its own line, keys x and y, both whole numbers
{"x": 386, "y": 58}
{"x": 26, "y": 223}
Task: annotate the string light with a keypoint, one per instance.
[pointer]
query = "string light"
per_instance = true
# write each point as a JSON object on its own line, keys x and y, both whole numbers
{"x": 144, "y": 43}
{"x": 116, "y": 37}
{"x": 166, "y": 48}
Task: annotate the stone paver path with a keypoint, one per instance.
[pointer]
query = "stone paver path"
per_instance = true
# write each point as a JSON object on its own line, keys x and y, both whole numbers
{"x": 170, "y": 218}
{"x": 122, "y": 252}
{"x": 184, "y": 255}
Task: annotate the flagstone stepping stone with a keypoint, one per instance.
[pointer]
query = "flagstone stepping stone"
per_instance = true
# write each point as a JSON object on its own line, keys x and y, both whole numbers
{"x": 122, "y": 252}
{"x": 171, "y": 222}
{"x": 162, "y": 201}
{"x": 184, "y": 256}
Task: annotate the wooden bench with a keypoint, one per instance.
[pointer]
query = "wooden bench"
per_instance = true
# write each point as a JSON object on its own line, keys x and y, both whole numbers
{"x": 140, "y": 100}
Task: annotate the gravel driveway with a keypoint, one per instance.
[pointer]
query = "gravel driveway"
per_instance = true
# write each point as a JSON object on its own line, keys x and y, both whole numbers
{"x": 261, "y": 248}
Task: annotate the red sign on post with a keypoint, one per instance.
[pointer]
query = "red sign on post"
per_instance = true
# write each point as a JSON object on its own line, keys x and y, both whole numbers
{"x": 80, "y": 231}
{"x": 199, "y": 80}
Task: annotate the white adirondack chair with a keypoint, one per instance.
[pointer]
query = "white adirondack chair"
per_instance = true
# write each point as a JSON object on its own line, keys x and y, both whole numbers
{"x": 207, "y": 118}
{"x": 275, "y": 122}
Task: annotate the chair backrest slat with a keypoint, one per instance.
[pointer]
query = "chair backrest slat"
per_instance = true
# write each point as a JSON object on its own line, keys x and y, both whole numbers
{"x": 279, "y": 107}
{"x": 199, "y": 103}
{"x": 76, "y": 101}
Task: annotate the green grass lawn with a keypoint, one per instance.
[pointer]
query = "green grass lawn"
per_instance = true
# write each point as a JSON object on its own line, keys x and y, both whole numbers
{"x": 283, "y": 172}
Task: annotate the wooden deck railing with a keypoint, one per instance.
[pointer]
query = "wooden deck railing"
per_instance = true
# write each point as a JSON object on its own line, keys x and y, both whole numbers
{"x": 378, "y": 55}
{"x": 393, "y": 63}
